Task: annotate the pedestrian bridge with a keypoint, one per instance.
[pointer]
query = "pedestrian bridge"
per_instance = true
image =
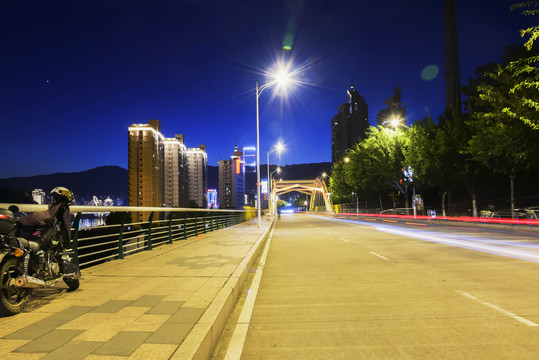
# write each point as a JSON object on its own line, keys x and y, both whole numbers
{"x": 316, "y": 189}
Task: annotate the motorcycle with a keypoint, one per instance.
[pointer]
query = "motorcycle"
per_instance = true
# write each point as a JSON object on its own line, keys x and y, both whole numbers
{"x": 33, "y": 255}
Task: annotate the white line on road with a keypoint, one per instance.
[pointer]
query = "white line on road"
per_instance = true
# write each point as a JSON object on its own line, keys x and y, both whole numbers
{"x": 499, "y": 309}
{"x": 343, "y": 239}
{"x": 237, "y": 341}
{"x": 380, "y": 256}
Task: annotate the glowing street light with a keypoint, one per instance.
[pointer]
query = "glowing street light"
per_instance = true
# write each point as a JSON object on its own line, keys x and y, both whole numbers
{"x": 395, "y": 121}
{"x": 282, "y": 78}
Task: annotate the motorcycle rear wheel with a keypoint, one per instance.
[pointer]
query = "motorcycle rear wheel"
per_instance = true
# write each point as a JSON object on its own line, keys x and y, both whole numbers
{"x": 12, "y": 299}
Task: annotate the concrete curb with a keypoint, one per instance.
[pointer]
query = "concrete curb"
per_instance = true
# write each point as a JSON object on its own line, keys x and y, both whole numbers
{"x": 202, "y": 340}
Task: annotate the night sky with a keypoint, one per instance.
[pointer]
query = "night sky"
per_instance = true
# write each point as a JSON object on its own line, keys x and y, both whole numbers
{"x": 76, "y": 74}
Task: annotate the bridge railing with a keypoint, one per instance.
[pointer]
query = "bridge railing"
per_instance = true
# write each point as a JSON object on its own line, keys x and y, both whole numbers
{"x": 118, "y": 237}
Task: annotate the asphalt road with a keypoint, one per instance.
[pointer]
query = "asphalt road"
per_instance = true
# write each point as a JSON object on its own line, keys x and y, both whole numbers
{"x": 340, "y": 290}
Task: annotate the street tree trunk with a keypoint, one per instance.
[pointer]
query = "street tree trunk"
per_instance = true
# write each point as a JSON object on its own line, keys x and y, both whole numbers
{"x": 474, "y": 201}
{"x": 443, "y": 203}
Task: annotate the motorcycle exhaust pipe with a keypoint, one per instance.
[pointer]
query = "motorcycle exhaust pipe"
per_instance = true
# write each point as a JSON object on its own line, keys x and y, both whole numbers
{"x": 26, "y": 281}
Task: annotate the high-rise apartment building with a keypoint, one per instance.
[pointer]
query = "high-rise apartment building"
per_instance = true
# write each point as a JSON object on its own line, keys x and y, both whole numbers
{"x": 145, "y": 166}
{"x": 232, "y": 181}
{"x": 175, "y": 182}
{"x": 197, "y": 176}
{"x": 38, "y": 195}
{"x": 349, "y": 125}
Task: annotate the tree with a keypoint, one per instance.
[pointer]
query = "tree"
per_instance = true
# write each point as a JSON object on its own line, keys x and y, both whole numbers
{"x": 525, "y": 104}
{"x": 339, "y": 189}
{"x": 429, "y": 157}
{"x": 506, "y": 133}
{"x": 382, "y": 161}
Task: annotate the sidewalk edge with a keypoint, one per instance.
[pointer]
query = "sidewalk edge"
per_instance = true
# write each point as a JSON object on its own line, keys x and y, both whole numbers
{"x": 201, "y": 341}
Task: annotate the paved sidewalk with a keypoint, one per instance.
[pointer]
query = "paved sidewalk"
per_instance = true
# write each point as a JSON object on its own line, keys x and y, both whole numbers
{"x": 168, "y": 303}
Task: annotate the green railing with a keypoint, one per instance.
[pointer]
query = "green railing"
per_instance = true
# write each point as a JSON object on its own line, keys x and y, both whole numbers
{"x": 119, "y": 237}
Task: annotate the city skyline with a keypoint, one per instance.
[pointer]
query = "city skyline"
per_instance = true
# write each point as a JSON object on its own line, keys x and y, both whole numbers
{"x": 80, "y": 74}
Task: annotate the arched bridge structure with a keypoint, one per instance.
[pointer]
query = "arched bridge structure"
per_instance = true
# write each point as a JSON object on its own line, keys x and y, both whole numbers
{"x": 316, "y": 188}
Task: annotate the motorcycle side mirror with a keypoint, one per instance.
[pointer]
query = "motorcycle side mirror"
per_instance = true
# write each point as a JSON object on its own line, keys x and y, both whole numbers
{"x": 14, "y": 209}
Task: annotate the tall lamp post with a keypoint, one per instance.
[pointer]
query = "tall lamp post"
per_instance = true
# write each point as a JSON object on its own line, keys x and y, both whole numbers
{"x": 281, "y": 78}
{"x": 277, "y": 148}
{"x": 270, "y": 199}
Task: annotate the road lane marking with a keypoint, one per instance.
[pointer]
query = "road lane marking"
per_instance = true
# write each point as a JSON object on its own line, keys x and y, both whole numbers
{"x": 343, "y": 239}
{"x": 393, "y": 221}
{"x": 380, "y": 256}
{"x": 471, "y": 243}
{"x": 499, "y": 309}
{"x": 237, "y": 341}
{"x": 417, "y": 224}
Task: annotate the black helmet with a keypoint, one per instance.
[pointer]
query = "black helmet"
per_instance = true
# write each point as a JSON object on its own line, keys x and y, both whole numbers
{"x": 61, "y": 194}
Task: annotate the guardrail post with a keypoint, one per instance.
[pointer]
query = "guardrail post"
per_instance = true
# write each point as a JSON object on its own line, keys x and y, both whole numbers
{"x": 185, "y": 225}
{"x": 75, "y": 240}
{"x": 211, "y": 221}
{"x": 196, "y": 224}
{"x": 149, "y": 236}
{"x": 204, "y": 223}
{"x": 170, "y": 228}
{"x": 121, "y": 237}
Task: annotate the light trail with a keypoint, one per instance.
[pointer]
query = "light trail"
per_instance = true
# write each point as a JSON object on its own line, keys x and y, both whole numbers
{"x": 516, "y": 250}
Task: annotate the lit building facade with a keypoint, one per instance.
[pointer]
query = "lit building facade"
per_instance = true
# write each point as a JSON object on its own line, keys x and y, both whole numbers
{"x": 197, "y": 176}
{"x": 232, "y": 182}
{"x": 175, "y": 182}
{"x": 349, "y": 125}
{"x": 38, "y": 195}
{"x": 145, "y": 166}
{"x": 213, "y": 201}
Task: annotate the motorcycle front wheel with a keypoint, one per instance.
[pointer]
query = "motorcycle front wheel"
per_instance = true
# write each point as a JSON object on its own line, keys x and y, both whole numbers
{"x": 12, "y": 298}
{"x": 68, "y": 268}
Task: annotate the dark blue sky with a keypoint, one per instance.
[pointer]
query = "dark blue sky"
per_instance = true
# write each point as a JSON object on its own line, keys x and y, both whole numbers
{"x": 76, "y": 74}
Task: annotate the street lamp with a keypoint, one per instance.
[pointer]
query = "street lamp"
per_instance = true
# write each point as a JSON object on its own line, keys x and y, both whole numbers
{"x": 282, "y": 78}
{"x": 277, "y": 148}
{"x": 396, "y": 121}
{"x": 270, "y": 198}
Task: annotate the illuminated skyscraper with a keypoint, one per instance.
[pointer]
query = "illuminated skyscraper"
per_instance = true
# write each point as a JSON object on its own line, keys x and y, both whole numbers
{"x": 145, "y": 166}
{"x": 175, "y": 182}
{"x": 349, "y": 125}
{"x": 232, "y": 181}
{"x": 197, "y": 176}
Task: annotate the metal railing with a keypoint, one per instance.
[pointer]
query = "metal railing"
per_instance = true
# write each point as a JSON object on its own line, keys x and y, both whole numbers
{"x": 120, "y": 237}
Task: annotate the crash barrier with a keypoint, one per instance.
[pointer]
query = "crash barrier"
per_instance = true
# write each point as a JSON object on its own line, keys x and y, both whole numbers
{"x": 119, "y": 237}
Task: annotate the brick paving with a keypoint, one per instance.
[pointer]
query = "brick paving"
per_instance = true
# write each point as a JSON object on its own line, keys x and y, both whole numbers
{"x": 168, "y": 303}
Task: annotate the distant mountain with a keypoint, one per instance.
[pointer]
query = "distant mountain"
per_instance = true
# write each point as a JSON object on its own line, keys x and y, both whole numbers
{"x": 102, "y": 181}
{"x": 112, "y": 181}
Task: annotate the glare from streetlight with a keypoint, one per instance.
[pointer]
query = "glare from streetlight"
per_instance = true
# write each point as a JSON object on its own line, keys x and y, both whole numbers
{"x": 346, "y": 159}
{"x": 395, "y": 121}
